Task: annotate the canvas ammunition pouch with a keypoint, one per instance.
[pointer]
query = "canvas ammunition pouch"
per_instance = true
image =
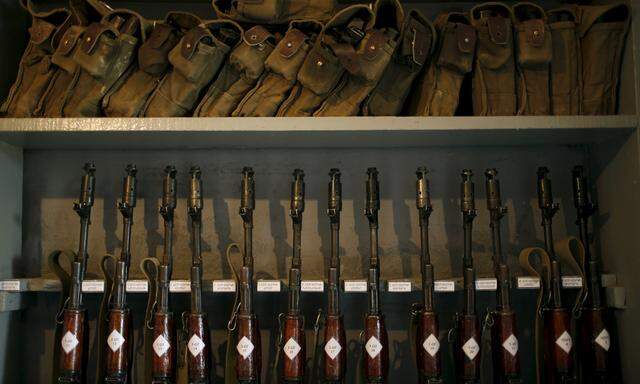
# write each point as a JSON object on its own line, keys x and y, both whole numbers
{"x": 36, "y": 70}
{"x": 566, "y": 69}
{"x": 493, "y": 85}
{"x": 602, "y": 31}
{"x": 437, "y": 91}
{"x": 416, "y": 45}
{"x": 322, "y": 70}
{"x": 274, "y": 11}
{"x": 106, "y": 51}
{"x": 534, "y": 49}
{"x": 239, "y": 74}
{"x": 365, "y": 65}
{"x": 281, "y": 69}
{"x": 130, "y": 93}
{"x": 195, "y": 62}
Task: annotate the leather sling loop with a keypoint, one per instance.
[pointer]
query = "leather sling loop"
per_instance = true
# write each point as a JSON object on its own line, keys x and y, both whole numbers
{"x": 149, "y": 267}
{"x": 275, "y": 370}
{"x": 107, "y": 265}
{"x": 452, "y": 337}
{"x": 65, "y": 282}
{"x": 486, "y": 337}
{"x": 230, "y": 376}
{"x": 317, "y": 350}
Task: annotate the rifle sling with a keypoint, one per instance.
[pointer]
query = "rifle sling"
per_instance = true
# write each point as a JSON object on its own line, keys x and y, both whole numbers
{"x": 65, "y": 281}
{"x": 149, "y": 267}
{"x": 230, "y": 376}
{"x": 107, "y": 265}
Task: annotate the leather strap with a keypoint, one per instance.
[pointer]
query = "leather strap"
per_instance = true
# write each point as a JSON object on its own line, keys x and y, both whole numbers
{"x": 107, "y": 265}
{"x": 230, "y": 358}
{"x": 149, "y": 267}
{"x": 65, "y": 282}
{"x": 317, "y": 350}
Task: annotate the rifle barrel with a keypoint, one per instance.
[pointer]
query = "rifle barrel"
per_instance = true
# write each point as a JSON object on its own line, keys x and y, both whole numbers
{"x": 549, "y": 209}
{"x": 469, "y": 212}
{"x": 372, "y": 206}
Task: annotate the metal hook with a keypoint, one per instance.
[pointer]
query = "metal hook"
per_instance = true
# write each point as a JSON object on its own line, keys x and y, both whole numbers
{"x": 233, "y": 321}
{"x": 60, "y": 314}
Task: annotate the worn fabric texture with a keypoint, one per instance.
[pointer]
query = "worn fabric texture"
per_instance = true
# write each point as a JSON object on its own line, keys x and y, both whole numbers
{"x": 566, "y": 68}
{"x": 274, "y": 11}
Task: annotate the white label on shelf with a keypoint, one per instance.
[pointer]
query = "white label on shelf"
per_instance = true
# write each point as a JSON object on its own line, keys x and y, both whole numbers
{"x": 399, "y": 286}
{"x": 471, "y": 348}
{"x": 161, "y": 345}
{"x": 564, "y": 342}
{"x": 115, "y": 340}
{"x": 69, "y": 342}
{"x": 11, "y": 285}
{"x": 604, "y": 340}
{"x": 489, "y": 284}
{"x": 245, "y": 347}
{"x": 137, "y": 286}
{"x": 444, "y": 286}
{"x": 224, "y": 285}
{"x": 511, "y": 345}
{"x": 195, "y": 345}
{"x": 292, "y": 348}
{"x": 373, "y": 347}
{"x": 528, "y": 282}
{"x": 269, "y": 285}
{"x": 180, "y": 286}
{"x": 571, "y": 282}
{"x": 355, "y": 286}
{"x": 431, "y": 345}
{"x": 332, "y": 348}
{"x": 93, "y": 286}
{"x": 312, "y": 286}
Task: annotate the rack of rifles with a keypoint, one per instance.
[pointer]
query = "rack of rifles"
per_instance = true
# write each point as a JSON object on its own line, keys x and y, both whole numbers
{"x": 556, "y": 359}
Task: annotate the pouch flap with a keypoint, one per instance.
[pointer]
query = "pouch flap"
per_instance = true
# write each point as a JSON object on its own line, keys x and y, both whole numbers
{"x": 69, "y": 41}
{"x": 465, "y": 37}
{"x": 291, "y": 43}
{"x": 457, "y": 48}
{"x": 202, "y": 64}
{"x": 153, "y": 54}
{"x": 613, "y": 13}
{"x": 417, "y": 39}
{"x": 343, "y": 17}
{"x": 498, "y": 29}
{"x": 249, "y": 58}
{"x": 289, "y": 54}
{"x": 40, "y": 31}
{"x": 535, "y": 32}
{"x": 191, "y": 40}
{"x": 261, "y": 10}
{"x": 374, "y": 45}
{"x": 158, "y": 36}
{"x": 257, "y": 35}
{"x": 321, "y": 71}
{"x": 93, "y": 33}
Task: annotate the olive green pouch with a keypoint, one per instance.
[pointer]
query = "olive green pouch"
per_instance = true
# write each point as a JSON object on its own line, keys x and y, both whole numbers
{"x": 534, "y": 50}
{"x": 602, "y": 30}
{"x": 129, "y": 95}
{"x": 322, "y": 70}
{"x": 281, "y": 69}
{"x": 238, "y": 75}
{"x": 106, "y": 52}
{"x": 36, "y": 71}
{"x": 195, "y": 62}
{"x": 437, "y": 91}
{"x": 417, "y": 40}
{"x": 274, "y": 11}
{"x": 494, "y": 72}
{"x": 566, "y": 72}
{"x": 366, "y": 63}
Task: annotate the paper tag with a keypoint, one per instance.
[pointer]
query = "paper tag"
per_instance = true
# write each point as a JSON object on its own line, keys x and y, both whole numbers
{"x": 399, "y": 286}
{"x": 195, "y": 345}
{"x": 269, "y": 285}
{"x": 511, "y": 345}
{"x": 161, "y": 345}
{"x": 489, "y": 284}
{"x": 528, "y": 283}
{"x": 355, "y": 286}
{"x": 431, "y": 345}
{"x": 93, "y": 286}
{"x": 471, "y": 348}
{"x": 69, "y": 342}
{"x": 373, "y": 347}
{"x": 332, "y": 348}
{"x": 571, "y": 282}
{"x": 180, "y": 286}
{"x": 444, "y": 286}
{"x": 224, "y": 285}
{"x": 137, "y": 286}
{"x": 604, "y": 340}
{"x": 115, "y": 340}
{"x": 312, "y": 286}
{"x": 564, "y": 342}
{"x": 10, "y": 285}
{"x": 292, "y": 348}
{"x": 245, "y": 347}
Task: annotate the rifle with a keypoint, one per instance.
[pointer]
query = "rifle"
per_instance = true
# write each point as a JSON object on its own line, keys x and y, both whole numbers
{"x": 595, "y": 340}
{"x": 294, "y": 348}
{"x": 506, "y": 359}
{"x": 248, "y": 350}
{"x": 427, "y": 344}
{"x": 119, "y": 329}
{"x": 376, "y": 362}
{"x": 195, "y": 321}
{"x": 73, "y": 316}
{"x": 557, "y": 320}
{"x": 163, "y": 324}
{"x": 468, "y": 349}
{"x": 335, "y": 362}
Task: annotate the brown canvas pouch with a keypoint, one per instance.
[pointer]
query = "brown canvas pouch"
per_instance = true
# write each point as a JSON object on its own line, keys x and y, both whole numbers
{"x": 494, "y": 75}
{"x": 195, "y": 62}
{"x": 281, "y": 69}
{"x": 35, "y": 70}
{"x": 128, "y": 96}
{"x": 534, "y": 50}
{"x": 566, "y": 69}
{"x": 437, "y": 91}
{"x": 602, "y": 31}
{"x": 274, "y": 11}
{"x": 106, "y": 51}
{"x": 322, "y": 70}
{"x": 239, "y": 74}
{"x": 416, "y": 46}
{"x": 366, "y": 64}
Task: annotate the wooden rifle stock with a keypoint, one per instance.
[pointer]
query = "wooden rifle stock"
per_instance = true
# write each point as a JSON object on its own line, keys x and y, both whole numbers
{"x": 557, "y": 331}
{"x": 198, "y": 348}
{"x": 163, "y": 366}
{"x": 595, "y": 358}
{"x": 72, "y": 363}
{"x": 248, "y": 369}
{"x": 335, "y": 368}
{"x": 294, "y": 368}
{"x": 118, "y": 359}
{"x": 429, "y": 366}
{"x": 376, "y": 366}
{"x": 506, "y": 364}
{"x": 468, "y": 368}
